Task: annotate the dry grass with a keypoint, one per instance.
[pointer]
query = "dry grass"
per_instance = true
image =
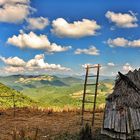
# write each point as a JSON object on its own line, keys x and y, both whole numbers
{"x": 49, "y": 123}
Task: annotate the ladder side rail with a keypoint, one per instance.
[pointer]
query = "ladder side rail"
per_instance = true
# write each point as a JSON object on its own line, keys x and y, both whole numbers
{"x": 95, "y": 97}
{"x": 84, "y": 94}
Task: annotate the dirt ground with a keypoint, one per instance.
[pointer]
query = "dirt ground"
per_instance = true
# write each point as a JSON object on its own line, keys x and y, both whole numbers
{"x": 49, "y": 124}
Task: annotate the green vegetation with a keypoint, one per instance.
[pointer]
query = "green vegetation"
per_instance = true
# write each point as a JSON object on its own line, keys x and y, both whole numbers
{"x": 55, "y": 96}
{"x": 52, "y": 91}
{"x": 6, "y": 98}
{"x": 66, "y": 96}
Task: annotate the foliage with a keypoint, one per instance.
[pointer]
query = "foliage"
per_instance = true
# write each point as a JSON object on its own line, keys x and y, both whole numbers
{"x": 64, "y": 92}
{"x": 6, "y": 98}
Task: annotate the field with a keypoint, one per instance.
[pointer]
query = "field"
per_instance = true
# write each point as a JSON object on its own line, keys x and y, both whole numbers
{"x": 47, "y": 107}
{"x": 47, "y": 123}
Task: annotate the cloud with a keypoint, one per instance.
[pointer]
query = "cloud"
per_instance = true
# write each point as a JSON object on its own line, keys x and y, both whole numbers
{"x": 134, "y": 43}
{"x": 33, "y": 41}
{"x": 14, "y": 11}
{"x": 85, "y": 65}
{"x": 37, "y": 64}
{"x": 92, "y": 71}
{"x": 122, "y": 42}
{"x": 13, "y": 61}
{"x": 127, "y": 67}
{"x": 37, "y": 23}
{"x": 90, "y": 51}
{"x": 77, "y": 29}
{"x": 11, "y": 69}
{"x": 117, "y": 42}
{"x": 123, "y": 20}
{"x": 111, "y": 64}
{"x": 2, "y": 2}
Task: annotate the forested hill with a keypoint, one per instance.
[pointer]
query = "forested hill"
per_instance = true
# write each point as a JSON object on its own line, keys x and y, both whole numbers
{"x": 6, "y": 97}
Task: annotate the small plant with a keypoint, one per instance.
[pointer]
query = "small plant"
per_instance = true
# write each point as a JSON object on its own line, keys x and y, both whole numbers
{"x": 67, "y": 136}
{"x": 21, "y": 135}
{"x": 85, "y": 133}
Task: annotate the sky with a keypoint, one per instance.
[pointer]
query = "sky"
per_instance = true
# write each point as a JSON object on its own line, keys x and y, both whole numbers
{"x": 62, "y": 37}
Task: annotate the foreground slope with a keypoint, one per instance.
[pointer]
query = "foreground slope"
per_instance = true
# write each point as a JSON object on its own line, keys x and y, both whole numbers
{"x": 6, "y": 97}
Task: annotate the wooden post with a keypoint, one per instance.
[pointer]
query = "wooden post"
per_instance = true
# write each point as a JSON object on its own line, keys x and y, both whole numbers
{"x": 14, "y": 106}
{"x": 36, "y": 133}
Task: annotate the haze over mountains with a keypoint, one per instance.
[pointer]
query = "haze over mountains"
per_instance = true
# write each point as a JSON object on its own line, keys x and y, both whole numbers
{"x": 20, "y": 82}
{"x": 55, "y": 91}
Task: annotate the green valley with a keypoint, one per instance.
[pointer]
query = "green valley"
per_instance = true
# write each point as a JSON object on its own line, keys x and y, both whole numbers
{"x": 53, "y": 91}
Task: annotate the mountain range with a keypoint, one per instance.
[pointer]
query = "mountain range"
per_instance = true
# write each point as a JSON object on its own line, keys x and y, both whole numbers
{"x": 20, "y": 82}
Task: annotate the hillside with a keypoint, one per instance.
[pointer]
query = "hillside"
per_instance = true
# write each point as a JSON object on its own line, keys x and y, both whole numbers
{"x": 21, "y": 82}
{"x": 6, "y": 97}
{"x": 54, "y": 91}
{"x": 67, "y": 96}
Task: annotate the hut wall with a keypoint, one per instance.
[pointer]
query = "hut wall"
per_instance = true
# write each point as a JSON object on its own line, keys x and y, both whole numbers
{"x": 122, "y": 124}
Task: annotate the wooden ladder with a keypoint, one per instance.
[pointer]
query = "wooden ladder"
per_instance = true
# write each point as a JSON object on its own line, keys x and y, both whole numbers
{"x": 85, "y": 101}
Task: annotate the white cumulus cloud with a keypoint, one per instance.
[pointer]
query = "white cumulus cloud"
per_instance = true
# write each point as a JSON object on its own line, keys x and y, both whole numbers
{"x": 2, "y": 2}
{"x": 127, "y": 67}
{"x": 134, "y": 43}
{"x": 122, "y": 42}
{"x": 33, "y": 41}
{"x": 90, "y": 51}
{"x": 14, "y": 11}
{"x": 77, "y": 29}
{"x": 13, "y": 61}
{"x": 111, "y": 64}
{"x": 37, "y": 23}
{"x": 37, "y": 64}
{"x": 11, "y": 70}
{"x": 127, "y": 20}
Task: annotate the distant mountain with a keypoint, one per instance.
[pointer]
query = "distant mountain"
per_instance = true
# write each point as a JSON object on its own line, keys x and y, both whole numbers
{"x": 20, "y": 82}
{"x": 103, "y": 77}
{"x": 71, "y": 80}
{"x": 108, "y": 80}
{"x": 6, "y": 97}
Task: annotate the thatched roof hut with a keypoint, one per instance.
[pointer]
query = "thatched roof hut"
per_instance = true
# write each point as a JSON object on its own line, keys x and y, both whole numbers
{"x": 122, "y": 111}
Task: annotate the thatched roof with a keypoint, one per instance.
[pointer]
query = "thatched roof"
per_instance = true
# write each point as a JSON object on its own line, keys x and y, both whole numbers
{"x": 127, "y": 90}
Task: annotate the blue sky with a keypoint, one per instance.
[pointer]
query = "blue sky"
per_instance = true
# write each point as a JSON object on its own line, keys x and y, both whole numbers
{"x": 52, "y": 36}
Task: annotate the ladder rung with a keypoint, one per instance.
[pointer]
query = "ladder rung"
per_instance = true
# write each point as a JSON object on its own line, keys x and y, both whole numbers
{"x": 88, "y": 111}
{"x": 93, "y": 67}
{"x": 92, "y": 76}
{"x": 88, "y": 102}
{"x": 87, "y": 120}
{"x": 91, "y": 84}
{"x": 89, "y": 93}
